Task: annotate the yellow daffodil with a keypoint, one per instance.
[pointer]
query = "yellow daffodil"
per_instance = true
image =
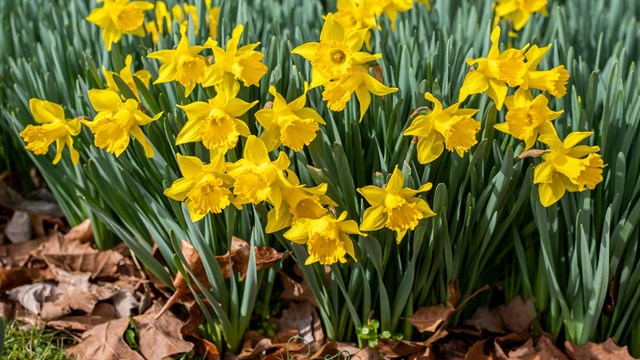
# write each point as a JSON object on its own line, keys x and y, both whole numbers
{"x": 327, "y": 238}
{"x": 526, "y": 117}
{"x": 354, "y": 15}
{"x": 55, "y": 127}
{"x": 181, "y": 13}
{"x": 336, "y": 54}
{"x": 215, "y": 122}
{"x": 126, "y": 76}
{"x": 118, "y": 17}
{"x": 116, "y": 121}
{"x": 394, "y": 7}
{"x": 291, "y": 125}
{"x": 395, "y": 207}
{"x": 358, "y": 81}
{"x": 163, "y": 16}
{"x": 213, "y": 15}
{"x": 565, "y": 167}
{"x": 453, "y": 128}
{"x": 203, "y": 188}
{"x": 495, "y": 73}
{"x": 182, "y": 64}
{"x": 256, "y": 176}
{"x": 235, "y": 64}
{"x": 298, "y": 202}
{"x": 519, "y": 11}
{"x": 553, "y": 81}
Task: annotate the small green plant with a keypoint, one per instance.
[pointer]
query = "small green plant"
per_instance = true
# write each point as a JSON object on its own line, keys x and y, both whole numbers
{"x": 33, "y": 343}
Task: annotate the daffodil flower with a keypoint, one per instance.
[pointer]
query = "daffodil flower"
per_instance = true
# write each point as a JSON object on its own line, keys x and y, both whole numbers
{"x": 453, "y": 128}
{"x": 327, "y": 238}
{"x": 336, "y": 54}
{"x": 519, "y": 11}
{"x": 495, "y": 73}
{"x": 553, "y": 81}
{"x": 256, "y": 176}
{"x": 527, "y": 118}
{"x": 55, "y": 128}
{"x": 118, "y": 17}
{"x": 298, "y": 202}
{"x": 395, "y": 207}
{"x": 358, "y": 81}
{"x": 565, "y": 167}
{"x": 182, "y": 64}
{"x": 290, "y": 124}
{"x": 233, "y": 63}
{"x": 125, "y": 74}
{"x": 117, "y": 121}
{"x": 216, "y": 122}
{"x": 203, "y": 188}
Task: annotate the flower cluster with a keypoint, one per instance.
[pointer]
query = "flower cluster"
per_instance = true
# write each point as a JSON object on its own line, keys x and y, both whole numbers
{"x": 119, "y": 17}
{"x": 529, "y": 117}
{"x": 363, "y": 14}
{"x": 339, "y": 65}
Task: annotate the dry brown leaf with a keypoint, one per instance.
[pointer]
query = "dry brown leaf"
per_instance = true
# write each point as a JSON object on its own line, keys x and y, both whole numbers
{"x": 485, "y": 319}
{"x": 32, "y": 296}
{"x": 518, "y": 315}
{"x": 303, "y": 318}
{"x": 196, "y": 317}
{"x": 429, "y": 318}
{"x": 547, "y": 350}
{"x": 367, "y": 353}
{"x": 18, "y": 229}
{"x": 105, "y": 342}
{"x": 294, "y": 290}
{"x": 102, "y": 313}
{"x": 15, "y": 255}
{"x": 7, "y": 310}
{"x": 476, "y": 351}
{"x": 210, "y": 350}
{"x": 160, "y": 337}
{"x": 607, "y": 350}
{"x": 237, "y": 258}
{"x": 12, "y": 278}
{"x": 253, "y": 346}
{"x": 74, "y": 256}
{"x": 82, "y": 233}
{"x": 391, "y": 348}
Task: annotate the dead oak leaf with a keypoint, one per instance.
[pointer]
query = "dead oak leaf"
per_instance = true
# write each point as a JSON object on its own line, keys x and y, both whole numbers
{"x": 429, "y": 318}
{"x": 105, "y": 342}
{"x": 72, "y": 256}
{"x": 607, "y": 350}
{"x": 160, "y": 337}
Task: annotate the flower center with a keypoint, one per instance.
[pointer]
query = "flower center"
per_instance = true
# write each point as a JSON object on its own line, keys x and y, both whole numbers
{"x": 127, "y": 18}
{"x": 327, "y": 249}
{"x": 209, "y": 195}
{"x": 190, "y": 70}
{"x": 338, "y": 56}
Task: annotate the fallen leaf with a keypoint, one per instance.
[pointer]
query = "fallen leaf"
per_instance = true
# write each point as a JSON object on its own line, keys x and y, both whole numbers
{"x": 18, "y": 229}
{"x": 11, "y": 278}
{"x": 476, "y": 351}
{"x": 16, "y": 255}
{"x": 124, "y": 302}
{"x": 105, "y": 342}
{"x": 74, "y": 256}
{"x": 32, "y": 296}
{"x": 82, "y": 233}
{"x": 518, "y": 315}
{"x": 211, "y": 351}
{"x": 253, "y": 346}
{"x": 195, "y": 319}
{"x": 7, "y": 310}
{"x": 391, "y": 348}
{"x": 547, "y": 350}
{"x": 485, "y": 319}
{"x": 303, "y": 318}
{"x": 11, "y": 199}
{"x": 429, "y": 318}
{"x": 102, "y": 313}
{"x": 294, "y": 290}
{"x": 160, "y": 337}
{"x": 237, "y": 258}
{"x": 607, "y": 350}
{"x": 367, "y": 353}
